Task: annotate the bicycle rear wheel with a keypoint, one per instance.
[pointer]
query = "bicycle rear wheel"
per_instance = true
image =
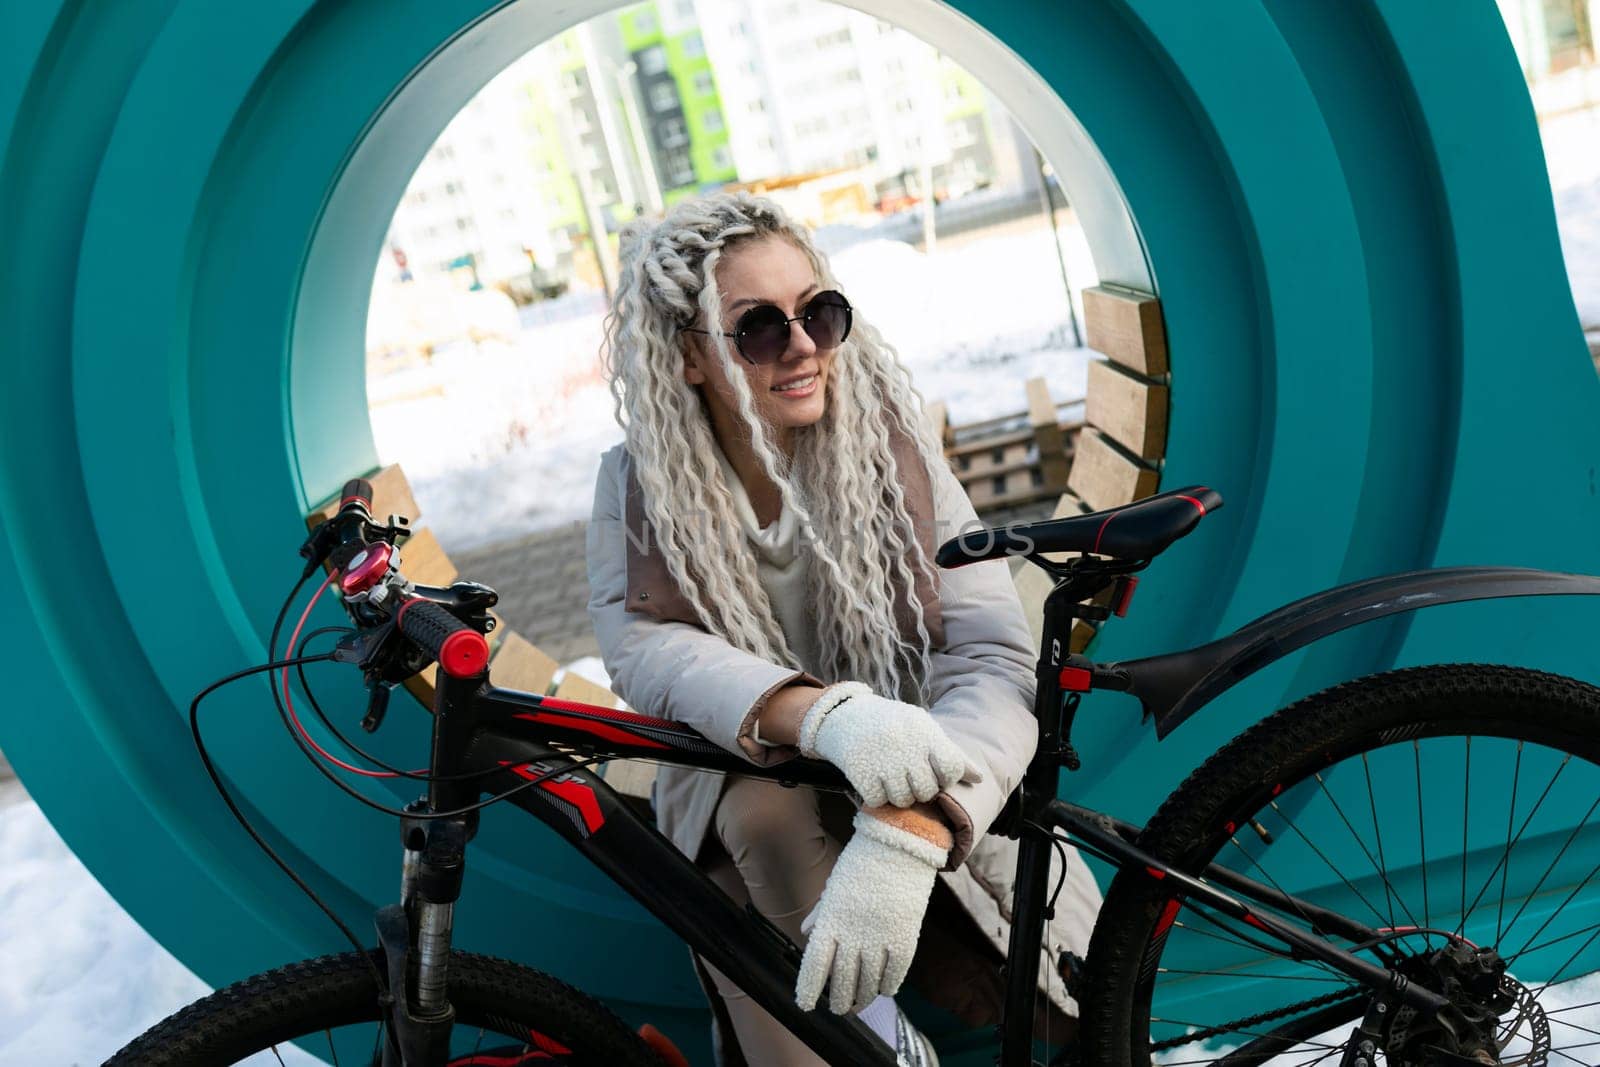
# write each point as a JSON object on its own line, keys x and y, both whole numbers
{"x": 1446, "y": 808}
{"x": 505, "y": 1014}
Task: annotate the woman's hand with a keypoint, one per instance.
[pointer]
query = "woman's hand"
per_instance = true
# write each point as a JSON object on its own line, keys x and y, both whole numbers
{"x": 892, "y": 752}
{"x": 863, "y": 931}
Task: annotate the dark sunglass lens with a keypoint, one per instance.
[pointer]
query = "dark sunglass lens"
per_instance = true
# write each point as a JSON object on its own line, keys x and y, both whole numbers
{"x": 828, "y": 319}
{"x": 762, "y": 334}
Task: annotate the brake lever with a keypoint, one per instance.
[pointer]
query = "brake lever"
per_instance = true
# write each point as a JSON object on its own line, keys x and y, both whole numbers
{"x": 377, "y": 704}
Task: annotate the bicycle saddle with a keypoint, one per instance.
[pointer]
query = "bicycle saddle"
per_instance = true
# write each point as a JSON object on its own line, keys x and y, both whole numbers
{"x": 1133, "y": 531}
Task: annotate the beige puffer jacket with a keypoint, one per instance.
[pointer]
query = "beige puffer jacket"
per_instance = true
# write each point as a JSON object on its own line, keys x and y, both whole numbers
{"x": 662, "y": 662}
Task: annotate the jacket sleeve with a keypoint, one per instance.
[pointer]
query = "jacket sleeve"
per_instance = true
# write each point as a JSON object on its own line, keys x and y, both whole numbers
{"x": 982, "y": 680}
{"x": 670, "y": 669}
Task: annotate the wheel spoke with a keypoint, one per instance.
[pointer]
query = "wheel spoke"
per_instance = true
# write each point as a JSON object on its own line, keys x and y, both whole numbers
{"x": 1580, "y": 950}
{"x": 1466, "y": 820}
{"x": 1528, "y": 898}
{"x": 331, "y": 1050}
{"x": 1383, "y": 864}
{"x": 1388, "y": 890}
{"x": 1422, "y": 837}
{"x": 1326, "y": 862}
{"x": 1511, "y": 816}
{"x": 1575, "y": 1026}
{"x": 1503, "y": 866}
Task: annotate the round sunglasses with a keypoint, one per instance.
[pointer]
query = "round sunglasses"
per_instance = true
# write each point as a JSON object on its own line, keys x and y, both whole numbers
{"x": 762, "y": 333}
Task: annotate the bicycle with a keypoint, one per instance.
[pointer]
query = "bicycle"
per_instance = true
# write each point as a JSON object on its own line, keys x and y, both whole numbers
{"x": 1357, "y": 964}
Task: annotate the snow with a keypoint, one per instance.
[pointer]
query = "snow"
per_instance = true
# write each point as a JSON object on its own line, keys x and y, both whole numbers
{"x": 1572, "y": 152}
{"x": 81, "y": 978}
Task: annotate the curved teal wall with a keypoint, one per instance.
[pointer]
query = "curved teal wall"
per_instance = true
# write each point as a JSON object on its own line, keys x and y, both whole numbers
{"x": 1342, "y": 205}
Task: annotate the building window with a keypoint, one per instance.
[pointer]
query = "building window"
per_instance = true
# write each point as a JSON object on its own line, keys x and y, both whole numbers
{"x": 652, "y": 60}
{"x": 673, "y": 133}
{"x": 711, "y": 122}
{"x": 685, "y": 9}
{"x": 1566, "y": 24}
{"x": 663, "y": 96}
{"x": 693, "y": 45}
{"x": 573, "y": 79}
{"x": 758, "y": 106}
{"x": 721, "y": 158}
{"x": 644, "y": 23}
{"x": 704, "y": 85}
{"x": 679, "y": 168}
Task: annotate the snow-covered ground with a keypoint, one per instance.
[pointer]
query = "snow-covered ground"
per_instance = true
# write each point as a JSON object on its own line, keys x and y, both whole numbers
{"x": 501, "y": 440}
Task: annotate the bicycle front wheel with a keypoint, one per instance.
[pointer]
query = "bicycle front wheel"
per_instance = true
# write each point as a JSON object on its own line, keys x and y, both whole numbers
{"x": 1449, "y": 811}
{"x": 329, "y": 1008}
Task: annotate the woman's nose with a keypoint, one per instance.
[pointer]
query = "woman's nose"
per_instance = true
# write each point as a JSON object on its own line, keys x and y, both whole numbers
{"x": 800, "y": 343}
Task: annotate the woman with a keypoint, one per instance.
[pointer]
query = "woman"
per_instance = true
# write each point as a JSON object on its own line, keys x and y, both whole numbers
{"x": 760, "y": 569}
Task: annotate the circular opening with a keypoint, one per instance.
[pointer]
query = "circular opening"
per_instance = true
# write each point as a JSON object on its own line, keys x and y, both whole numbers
{"x": 941, "y": 216}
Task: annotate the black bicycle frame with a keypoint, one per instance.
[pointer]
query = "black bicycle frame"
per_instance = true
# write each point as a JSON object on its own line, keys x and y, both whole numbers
{"x": 479, "y": 727}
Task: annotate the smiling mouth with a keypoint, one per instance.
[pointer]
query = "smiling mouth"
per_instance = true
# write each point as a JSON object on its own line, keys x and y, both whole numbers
{"x": 798, "y": 385}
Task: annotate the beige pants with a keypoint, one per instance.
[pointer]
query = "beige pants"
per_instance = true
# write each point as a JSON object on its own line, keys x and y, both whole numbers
{"x": 777, "y": 845}
{"x": 775, "y": 856}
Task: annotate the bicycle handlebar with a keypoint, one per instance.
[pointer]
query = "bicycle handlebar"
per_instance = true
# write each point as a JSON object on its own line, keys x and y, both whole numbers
{"x": 356, "y": 489}
{"x": 461, "y": 651}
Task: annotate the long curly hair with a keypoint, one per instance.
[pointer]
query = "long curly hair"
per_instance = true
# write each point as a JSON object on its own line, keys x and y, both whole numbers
{"x": 842, "y": 483}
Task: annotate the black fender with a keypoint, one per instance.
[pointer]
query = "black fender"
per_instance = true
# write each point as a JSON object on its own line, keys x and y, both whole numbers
{"x": 1175, "y": 685}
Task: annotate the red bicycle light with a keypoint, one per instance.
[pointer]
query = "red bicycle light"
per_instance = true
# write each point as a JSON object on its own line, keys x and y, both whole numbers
{"x": 464, "y": 654}
{"x": 366, "y": 569}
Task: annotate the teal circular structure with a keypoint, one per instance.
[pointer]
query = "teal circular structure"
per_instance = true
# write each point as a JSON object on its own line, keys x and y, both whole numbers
{"x": 1343, "y": 208}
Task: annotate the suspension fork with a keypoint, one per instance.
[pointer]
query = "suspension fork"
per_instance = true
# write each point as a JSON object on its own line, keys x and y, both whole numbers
{"x": 416, "y": 933}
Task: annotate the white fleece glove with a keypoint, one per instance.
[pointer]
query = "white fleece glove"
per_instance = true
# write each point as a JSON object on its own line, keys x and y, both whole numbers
{"x": 864, "y": 929}
{"x": 892, "y": 752}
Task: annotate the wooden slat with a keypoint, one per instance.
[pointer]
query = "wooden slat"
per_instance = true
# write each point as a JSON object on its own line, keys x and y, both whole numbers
{"x": 518, "y": 664}
{"x": 1127, "y": 327}
{"x": 422, "y": 559}
{"x": 1047, "y": 433}
{"x": 1130, "y": 409}
{"x": 574, "y": 687}
{"x": 422, "y": 685}
{"x": 391, "y": 495}
{"x": 1105, "y": 477}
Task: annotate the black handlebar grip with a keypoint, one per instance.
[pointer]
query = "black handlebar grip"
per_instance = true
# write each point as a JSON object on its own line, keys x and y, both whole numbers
{"x": 461, "y": 651}
{"x": 356, "y": 489}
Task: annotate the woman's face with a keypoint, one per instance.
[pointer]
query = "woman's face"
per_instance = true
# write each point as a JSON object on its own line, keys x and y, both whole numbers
{"x": 767, "y": 270}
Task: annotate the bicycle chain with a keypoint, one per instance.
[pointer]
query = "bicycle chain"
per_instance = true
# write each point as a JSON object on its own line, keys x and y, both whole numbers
{"x": 1253, "y": 1020}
